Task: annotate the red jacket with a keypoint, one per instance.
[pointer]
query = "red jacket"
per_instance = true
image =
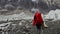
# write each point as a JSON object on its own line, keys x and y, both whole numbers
{"x": 37, "y": 18}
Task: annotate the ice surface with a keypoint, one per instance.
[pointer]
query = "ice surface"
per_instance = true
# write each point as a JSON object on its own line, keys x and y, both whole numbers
{"x": 53, "y": 14}
{"x": 15, "y": 17}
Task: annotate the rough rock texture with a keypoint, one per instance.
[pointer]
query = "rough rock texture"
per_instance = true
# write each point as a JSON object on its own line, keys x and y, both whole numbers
{"x": 26, "y": 27}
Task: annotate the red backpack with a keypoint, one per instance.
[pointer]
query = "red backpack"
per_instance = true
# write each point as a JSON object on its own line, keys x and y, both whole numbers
{"x": 37, "y": 18}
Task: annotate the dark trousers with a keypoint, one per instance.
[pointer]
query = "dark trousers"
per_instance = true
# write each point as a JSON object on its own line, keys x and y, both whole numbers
{"x": 39, "y": 28}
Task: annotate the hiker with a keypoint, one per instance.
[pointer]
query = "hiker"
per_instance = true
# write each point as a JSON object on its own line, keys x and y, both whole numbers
{"x": 38, "y": 22}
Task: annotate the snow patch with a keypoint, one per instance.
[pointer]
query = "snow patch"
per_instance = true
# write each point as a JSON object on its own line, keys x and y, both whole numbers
{"x": 53, "y": 14}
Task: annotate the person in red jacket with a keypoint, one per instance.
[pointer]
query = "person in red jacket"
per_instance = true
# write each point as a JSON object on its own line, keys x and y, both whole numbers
{"x": 38, "y": 22}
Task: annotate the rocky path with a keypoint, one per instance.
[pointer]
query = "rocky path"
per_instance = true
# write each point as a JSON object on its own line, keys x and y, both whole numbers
{"x": 25, "y": 27}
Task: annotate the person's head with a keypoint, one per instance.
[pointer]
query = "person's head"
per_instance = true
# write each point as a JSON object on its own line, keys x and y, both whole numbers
{"x": 37, "y": 10}
{"x": 34, "y": 10}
